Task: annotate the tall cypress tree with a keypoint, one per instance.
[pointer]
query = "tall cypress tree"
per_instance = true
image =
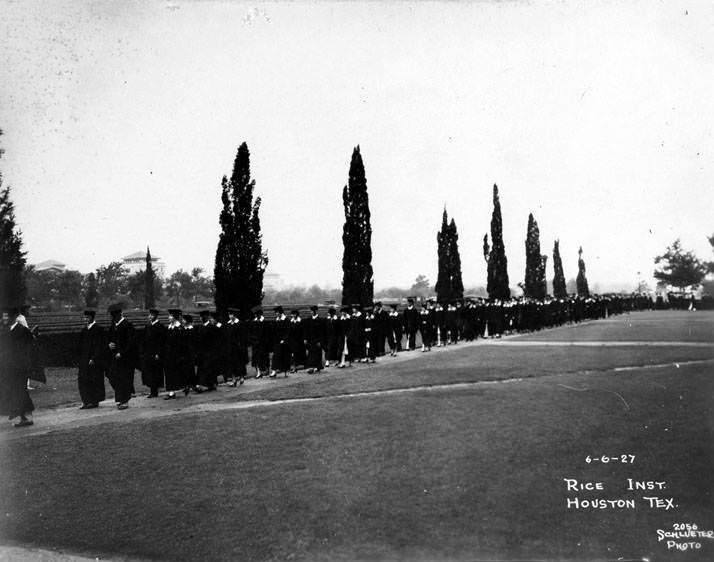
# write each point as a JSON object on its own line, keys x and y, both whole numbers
{"x": 443, "y": 247}
{"x": 12, "y": 258}
{"x": 357, "y": 283}
{"x": 457, "y": 283}
{"x": 91, "y": 295}
{"x": 542, "y": 282}
{"x": 559, "y": 290}
{"x": 533, "y": 287}
{"x": 581, "y": 281}
{"x": 449, "y": 285}
{"x": 240, "y": 259}
{"x": 497, "y": 283}
{"x": 149, "y": 276}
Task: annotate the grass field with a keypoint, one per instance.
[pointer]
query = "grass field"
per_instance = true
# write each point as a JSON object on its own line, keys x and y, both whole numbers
{"x": 460, "y": 454}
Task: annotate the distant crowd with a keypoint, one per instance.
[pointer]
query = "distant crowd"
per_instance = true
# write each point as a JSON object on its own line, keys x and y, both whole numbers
{"x": 189, "y": 354}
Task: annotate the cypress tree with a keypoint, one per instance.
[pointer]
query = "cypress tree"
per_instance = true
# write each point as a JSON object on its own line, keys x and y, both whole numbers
{"x": 457, "y": 284}
{"x": 533, "y": 287}
{"x": 581, "y": 281}
{"x": 12, "y": 258}
{"x": 357, "y": 283}
{"x": 542, "y": 282}
{"x": 240, "y": 260}
{"x": 443, "y": 247}
{"x": 497, "y": 282}
{"x": 449, "y": 285}
{"x": 559, "y": 290}
{"x": 149, "y": 276}
{"x": 91, "y": 295}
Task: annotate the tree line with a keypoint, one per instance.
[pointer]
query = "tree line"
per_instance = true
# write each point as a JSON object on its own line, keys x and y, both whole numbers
{"x": 240, "y": 261}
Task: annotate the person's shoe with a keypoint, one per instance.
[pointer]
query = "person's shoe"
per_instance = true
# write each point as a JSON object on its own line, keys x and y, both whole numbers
{"x": 153, "y": 395}
{"x": 170, "y": 396}
{"x": 310, "y": 371}
{"x": 272, "y": 374}
{"x": 197, "y": 389}
{"x": 241, "y": 381}
{"x": 122, "y": 406}
{"x": 327, "y": 364}
{"x": 24, "y": 423}
{"x": 186, "y": 391}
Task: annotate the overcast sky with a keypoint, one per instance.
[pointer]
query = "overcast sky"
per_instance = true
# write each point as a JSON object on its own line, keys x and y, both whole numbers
{"x": 121, "y": 118}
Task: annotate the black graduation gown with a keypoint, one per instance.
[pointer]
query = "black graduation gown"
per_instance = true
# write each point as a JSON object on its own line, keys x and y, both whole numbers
{"x": 152, "y": 369}
{"x": 15, "y": 363}
{"x": 91, "y": 377}
{"x": 260, "y": 342}
{"x": 121, "y": 369}
{"x": 237, "y": 348}
{"x": 411, "y": 325}
{"x": 210, "y": 350}
{"x": 394, "y": 332}
{"x": 332, "y": 339}
{"x": 176, "y": 357}
{"x": 314, "y": 333}
{"x": 281, "y": 348}
{"x": 355, "y": 338}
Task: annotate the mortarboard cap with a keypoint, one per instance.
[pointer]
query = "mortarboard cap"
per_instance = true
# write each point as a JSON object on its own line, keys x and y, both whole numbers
{"x": 114, "y": 308}
{"x": 175, "y": 312}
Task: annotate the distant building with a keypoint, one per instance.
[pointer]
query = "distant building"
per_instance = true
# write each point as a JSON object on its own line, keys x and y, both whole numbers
{"x": 53, "y": 266}
{"x": 136, "y": 262}
{"x": 272, "y": 282}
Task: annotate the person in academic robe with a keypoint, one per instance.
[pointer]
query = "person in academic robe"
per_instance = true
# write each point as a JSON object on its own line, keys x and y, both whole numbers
{"x": 175, "y": 355}
{"x": 152, "y": 354}
{"x": 210, "y": 350}
{"x": 451, "y": 324}
{"x": 90, "y": 379}
{"x": 412, "y": 323}
{"x": 395, "y": 327}
{"x": 296, "y": 340}
{"x": 370, "y": 335}
{"x": 15, "y": 364}
{"x": 426, "y": 325}
{"x": 260, "y": 343}
{"x": 189, "y": 345}
{"x": 332, "y": 338}
{"x": 314, "y": 340}
{"x": 381, "y": 327}
{"x": 356, "y": 337}
{"x": 281, "y": 349}
{"x": 237, "y": 334}
{"x": 344, "y": 337}
{"x": 469, "y": 321}
{"x": 121, "y": 349}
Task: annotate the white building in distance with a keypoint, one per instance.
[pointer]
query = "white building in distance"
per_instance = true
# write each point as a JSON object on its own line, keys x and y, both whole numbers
{"x": 137, "y": 262}
{"x": 52, "y": 266}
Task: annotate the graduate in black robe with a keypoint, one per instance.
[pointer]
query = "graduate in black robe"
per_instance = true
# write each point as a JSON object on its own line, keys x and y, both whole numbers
{"x": 281, "y": 349}
{"x": 175, "y": 355}
{"x": 260, "y": 343}
{"x": 394, "y": 330}
{"x": 91, "y": 363}
{"x": 152, "y": 354}
{"x": 411, "y": 324}
{"x": 332, "y": 338}
{"x": 370, "y": 335}
{"x": 237, "y": 334}
{"x": 356, "y": 336}
{"x": 15, "y": 364}
{"x": 344, "y": 337}
{"x": 209, "y": 349}
{"x": 314, "y": 340}
{"x": 122, "y": 355}
{"x": 190, "y": 344}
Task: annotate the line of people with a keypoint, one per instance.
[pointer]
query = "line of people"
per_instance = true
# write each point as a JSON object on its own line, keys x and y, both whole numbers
{"x": 181, "y": 357}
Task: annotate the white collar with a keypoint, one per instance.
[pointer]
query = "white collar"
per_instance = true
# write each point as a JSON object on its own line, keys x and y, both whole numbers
{"x": 13, "y": 326}
{"x": 92, "y": 324}
{"x": 120, "y": 321}
{"x": 154, "y": 322}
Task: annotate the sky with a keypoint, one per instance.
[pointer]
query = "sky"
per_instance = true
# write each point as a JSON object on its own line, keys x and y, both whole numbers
{"x": 121, "y": 118}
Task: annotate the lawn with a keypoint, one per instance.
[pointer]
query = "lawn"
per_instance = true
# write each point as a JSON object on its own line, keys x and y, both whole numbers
{"x": 468, "y": 472}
